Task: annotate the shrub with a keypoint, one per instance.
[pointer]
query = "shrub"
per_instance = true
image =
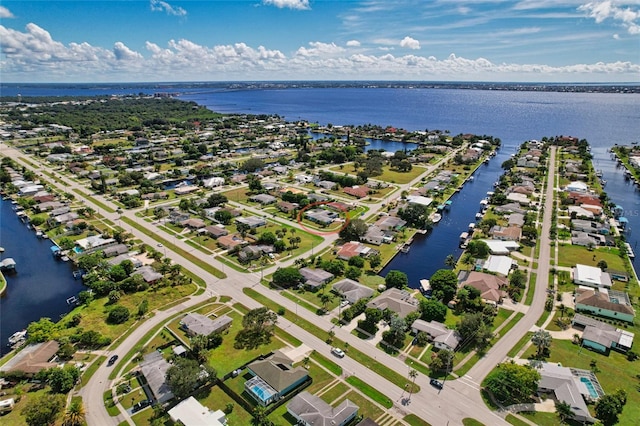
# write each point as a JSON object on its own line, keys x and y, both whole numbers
{"x": 118, "y": 315}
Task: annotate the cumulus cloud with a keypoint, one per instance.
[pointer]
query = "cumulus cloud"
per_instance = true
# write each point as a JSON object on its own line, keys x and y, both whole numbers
{"x": 34, "y": 55}
{"x": 163, "y": 6}
{"x": 5, "y": 13}
{"x": 410, "y": 43}
{"x": 626, "y": 16}
{"x": 290, "y": 4}
{"x": 353, "y": 43}
{"x": 320, "y": 49}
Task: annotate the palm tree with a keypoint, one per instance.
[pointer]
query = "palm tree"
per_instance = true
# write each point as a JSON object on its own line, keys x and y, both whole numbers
{"x": 325, "y": 299}
{"x": 450, "y": 261}
{"x": 413, "y": 374}
{"x": 468, "y": 260}
{"x": 562, "y": 308}
{"x": 542, "y": 340}
{"x": 75, "y": 415}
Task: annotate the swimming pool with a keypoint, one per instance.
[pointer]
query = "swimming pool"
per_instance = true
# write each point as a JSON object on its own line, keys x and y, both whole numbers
{"x": 590, "y": 387}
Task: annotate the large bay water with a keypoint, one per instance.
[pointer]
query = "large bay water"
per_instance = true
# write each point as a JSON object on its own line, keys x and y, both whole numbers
{"x": 604, "y": 119}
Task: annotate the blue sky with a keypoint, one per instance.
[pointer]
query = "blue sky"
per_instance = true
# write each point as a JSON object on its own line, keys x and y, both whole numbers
{"x": 474, "y": 40}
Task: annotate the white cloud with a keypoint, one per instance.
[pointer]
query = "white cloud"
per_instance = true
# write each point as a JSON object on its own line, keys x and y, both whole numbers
{"x": 5, "y": 13}
{"x": 163, "y": 6}
{"x": 353, "y": 43}
{"x": 409, "y": 42}
{"x": 34, "y": 55}
{"x": 291, "y": 4}
{"x": 319, "y": 49}
{"x": 618, "y": 11}
{"x": 616, "y": 36}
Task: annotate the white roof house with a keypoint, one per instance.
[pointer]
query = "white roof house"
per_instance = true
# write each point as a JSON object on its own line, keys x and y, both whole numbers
{"x": 499, "y": 264}
{"x": 591, "y": 276}
{"x": 501, "y": 247}
{"x": 577, "y": 186}
{"x": 420, "y": 200}
{"x": 191, "y": 413}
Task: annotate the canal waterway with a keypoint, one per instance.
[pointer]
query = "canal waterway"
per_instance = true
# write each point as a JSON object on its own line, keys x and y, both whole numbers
{"x": 429, "y": 251}
{"x": 41, "y": 285}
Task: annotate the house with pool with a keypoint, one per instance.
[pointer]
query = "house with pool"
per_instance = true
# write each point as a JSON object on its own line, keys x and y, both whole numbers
{"x": 274, "y": 378}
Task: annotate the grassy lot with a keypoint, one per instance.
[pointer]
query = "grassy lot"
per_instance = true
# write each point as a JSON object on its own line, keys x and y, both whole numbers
{"x": 327, "y": 363}
{"x": 216, "y": 399}
{"x": 615, "y": 372}
{"x": 321, "y": 378}
{"x": 14, "y": 417}
{"x": 570, "y": 255}
{"x": 335, "y": 392}
{"x": 226, "y": 358}
{"x": 387, "y": 175}
{"x": 515, "y": 421}
{"x": 371, "y": 392}
{"x": 239, "y": 195}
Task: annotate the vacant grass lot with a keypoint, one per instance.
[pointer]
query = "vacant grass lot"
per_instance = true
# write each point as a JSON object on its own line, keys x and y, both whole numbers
{"x": 570, "y": 255}
{"x": 387, "y": 175}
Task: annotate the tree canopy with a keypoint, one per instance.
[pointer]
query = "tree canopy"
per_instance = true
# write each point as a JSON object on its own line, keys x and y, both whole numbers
{"x": 259, "y": 326}
{"x": 396, "y": 279}
{"x": 444, "y": 285}
{"x": 512, "y": 383}
{"x": 354, "y": 230}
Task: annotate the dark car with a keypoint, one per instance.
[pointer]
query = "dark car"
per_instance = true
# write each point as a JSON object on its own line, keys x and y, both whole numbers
{"x": 140, "y": 405}
{"x": 112, "y": 360}
{"x": 436, "y": 383}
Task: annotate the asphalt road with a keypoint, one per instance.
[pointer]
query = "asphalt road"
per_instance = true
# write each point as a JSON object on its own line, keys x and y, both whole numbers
{"x": 459, "y": 399}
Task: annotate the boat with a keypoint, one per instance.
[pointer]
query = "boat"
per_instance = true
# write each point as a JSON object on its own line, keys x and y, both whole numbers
{"x": 436, "y": 217}
{"x": 486, "y": 161}
{"x": 470, "y": 179}
{"x": 630, "y": 252}
{"x": 448, "y": 203}
{"x": 472, "y": 226}
{"x": 405, "y": 248}
{"x": 8, "y": 264}
{"x": 39, "y": 234}
{"x": 478, "y": 215}
{"x": 425, "y": 288}
{"x": 65, "y": 258}
{"x": 17, "y": 337}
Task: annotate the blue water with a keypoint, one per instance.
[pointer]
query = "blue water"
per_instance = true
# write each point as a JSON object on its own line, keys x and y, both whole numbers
{"x": 41, "y": 285}
{"x": 590, "y": 387}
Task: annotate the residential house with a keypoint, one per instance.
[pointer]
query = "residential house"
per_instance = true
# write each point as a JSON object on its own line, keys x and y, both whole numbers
{"x": 377, "y": 236}
{"x": 264, "y": 199}
{"x": 390, "y": 223}
{"x": 569, "y": 386}
{"x": 590, "y": 276}
{"x": 315, "y": 278}
{"x": 501, "y": 265}
{"x": 154, "y": 370}
{"x": 419, "y": 200}
{"x": 590, "y": 226}
{"x": 351, "y": 290}
{"x": 149, "y": 275}
{"x": 193, "y": 223}
{"x": 515, "y": 219}
{"x": 310, "y": 410}
{"x": 327, "y": 184}
{"x": 231, "y": 242}
{"x": 354, "y": 248}
{"x": 216, "y": 231}
{"x": 339, "y": 206}
{"x": 501, "y": 247}
{"x": 441, "y": 336}
{"x": 491, "y": 287}
{"x": 125, "y": 256}
{"x": 33, "y": 358}
{"x": 321, "y": 216}
{"x": 176, "y": 217}
{"x": 191, "y": 412}
{"x": 213, "y": 182}
{"x": 601, "y": 336}
{"x": 521, "y": 199}
{"x": 577, "y": 186}
{"x": 315, "y": 197}
{"x": 287, "y": 207}
{"x": 116, "y": 250}
{"x": 510, "y": 208}
{"x": 356, "y": 191}
{"x": 580, "y": 212}
{"x": 509, "y": 233}
{"x": 197, "y": 324}
{"x": 94, "y": 242}
{"x": 249, "y": 253}
{"x": 274, "y": 378}
{"x": 399, "y": 301}
{"x": 252, "y": 221}
{"x": 606, "y": 303}
{"x": 584, "y": 239}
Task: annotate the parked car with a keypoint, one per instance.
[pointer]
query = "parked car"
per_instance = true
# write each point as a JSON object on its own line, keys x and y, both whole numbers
{"x": 344, "y": 303}
{"x": 112, "y": 360}
{"x": 436, "y": 383}
{"x": 140, "y": 405}
{"x": 337, "y": 352}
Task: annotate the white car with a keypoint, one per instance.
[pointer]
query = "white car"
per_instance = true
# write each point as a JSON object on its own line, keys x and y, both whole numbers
{"x": 337, "y": 352}
{"x": 344, "y": 303}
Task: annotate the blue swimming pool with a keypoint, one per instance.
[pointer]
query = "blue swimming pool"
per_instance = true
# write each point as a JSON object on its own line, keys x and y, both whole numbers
{"x": 590, "y": 387}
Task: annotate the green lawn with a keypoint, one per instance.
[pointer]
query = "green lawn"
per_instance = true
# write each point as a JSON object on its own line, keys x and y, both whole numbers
{"x": 387, "y": 175}
{"x": 335, "y": 392}
{"x": 570, "y": 255}
{"x": 414, "y": 420}
{"x": 371, "y": 392}
{"x": 515, "y": 421}
{"x": 367, "y": 409}
{"x": 615, "y": 372}
{"x": 471, "y": 422}
{"x": 216, "y": 399}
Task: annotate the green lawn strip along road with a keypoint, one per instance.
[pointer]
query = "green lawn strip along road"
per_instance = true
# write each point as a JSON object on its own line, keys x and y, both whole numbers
{"x": 94, "y": 201}
{"x": 109, "y": 404}
{"x": 191, "y": 258}
{"x": 531, "y": 289}
{"x": 326, "y": 363}
{"x": 471, "y": 422}
{"x": 516, "y": 421}
{"x": 372, "y": 393}
{"x": 414, "y": 420}
{"x": 381, "y": 369}
{"x": 523, "y": 341}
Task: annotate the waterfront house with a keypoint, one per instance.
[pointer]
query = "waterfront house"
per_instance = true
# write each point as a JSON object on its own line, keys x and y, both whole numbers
{"x": 515, "y": 219}
{"x": 590, "y": 276}
{"x": 390, "y": 223}
{"x": 115, "y": 250}
{"x": 94, "y": 242}
{"x": 274, "y": 378}
{"x": 33, "y": 358}
{"x": 310, "y": 410}
{"x": 377, "y": 236}
{"x": 606, "y": 303}
{"x": 441, "y": 336}
{"x": 491, "y": 287}
{"x": 419, "y": 200}
{"x": 351, "y": 290}
{"x": 354, "y": 248}
{"x": 590, "y": 226}
{"x": 584, "y": 239}
{"x": 154, "y": 371}
{"x": 577, "y": 186}
{"x": 500, "y": 265}
{"x": 509, "y": 233}
{"x": 197, "y": 324}
{"x": 149, "y": 275}
{"x": 191, "y": 412}
{"x": 501, "y": 247}
{"x": 399, "y": 301}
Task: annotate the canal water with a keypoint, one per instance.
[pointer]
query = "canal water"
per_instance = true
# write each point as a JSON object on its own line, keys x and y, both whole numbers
{"x": 41, "y": 285}
{"x": 428, "y": 252}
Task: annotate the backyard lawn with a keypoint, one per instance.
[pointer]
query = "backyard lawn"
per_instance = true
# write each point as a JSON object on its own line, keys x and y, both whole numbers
{"x": 570, "y": 255}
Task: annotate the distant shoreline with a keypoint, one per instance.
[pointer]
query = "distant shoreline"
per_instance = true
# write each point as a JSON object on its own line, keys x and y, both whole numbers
{"x": 173, "y": 87}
